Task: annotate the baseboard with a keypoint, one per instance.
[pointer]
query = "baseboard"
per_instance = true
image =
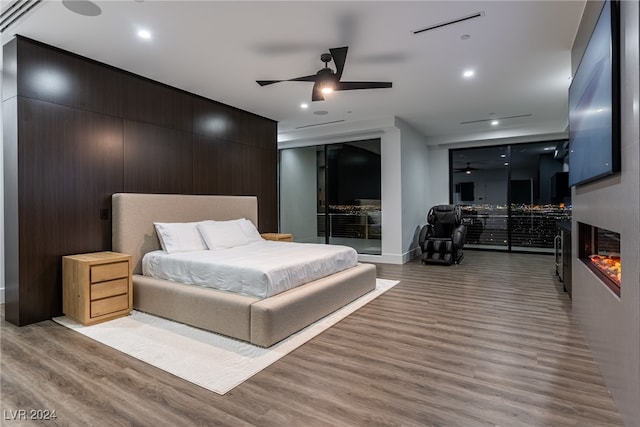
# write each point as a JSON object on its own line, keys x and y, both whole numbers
{"x": 413, "y": 253}
{"x": 1, "y": 295}
{"x": 390, "y": 258}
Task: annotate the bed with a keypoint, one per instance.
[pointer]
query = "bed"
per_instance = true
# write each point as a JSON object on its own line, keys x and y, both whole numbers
{"x": 262, "y": 321}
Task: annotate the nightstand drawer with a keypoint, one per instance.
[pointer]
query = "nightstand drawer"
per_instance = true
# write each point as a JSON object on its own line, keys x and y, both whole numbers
{"x": 109, "y": 289}
{"x": 109, "y": 305}
{"x": 104, "y": 272}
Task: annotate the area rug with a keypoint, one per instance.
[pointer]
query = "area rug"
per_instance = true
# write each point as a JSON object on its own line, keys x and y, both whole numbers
{"x": 212, "y": 361}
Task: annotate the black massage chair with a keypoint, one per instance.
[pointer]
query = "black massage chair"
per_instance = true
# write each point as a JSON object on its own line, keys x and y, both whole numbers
{"x": 442, "y": 239}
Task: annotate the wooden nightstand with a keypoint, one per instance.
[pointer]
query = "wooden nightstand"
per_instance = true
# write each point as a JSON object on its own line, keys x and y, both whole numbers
{"x": 96, "y": 286}
{"x": 280, "y": 237}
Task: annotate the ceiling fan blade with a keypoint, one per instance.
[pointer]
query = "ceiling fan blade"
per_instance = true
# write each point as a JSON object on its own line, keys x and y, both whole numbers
{"x": 311, "y": 78}
{"x": 339, "y": 55}
{"x": 362, "y": 85}
{"x": 268, "y": 82}
{"x": 316, "y": 94}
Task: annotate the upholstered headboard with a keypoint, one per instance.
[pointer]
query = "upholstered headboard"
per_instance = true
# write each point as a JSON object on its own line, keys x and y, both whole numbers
{"x": 134, "y": 215}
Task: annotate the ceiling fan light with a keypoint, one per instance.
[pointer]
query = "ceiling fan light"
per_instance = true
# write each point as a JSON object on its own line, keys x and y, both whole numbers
{"x": 326, "y": 90}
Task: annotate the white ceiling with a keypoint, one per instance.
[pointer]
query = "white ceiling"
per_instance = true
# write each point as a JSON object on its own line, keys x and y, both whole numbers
{"x": 520, "y": 51}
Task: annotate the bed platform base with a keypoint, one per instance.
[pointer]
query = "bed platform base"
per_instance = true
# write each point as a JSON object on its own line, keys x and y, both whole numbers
{"x": 262, "y": 322}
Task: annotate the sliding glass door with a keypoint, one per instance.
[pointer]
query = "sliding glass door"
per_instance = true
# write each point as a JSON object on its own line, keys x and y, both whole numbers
{"x": 480, "y": 179}
{"x": 331, "y": 194}
{"x": 512, "y": 196}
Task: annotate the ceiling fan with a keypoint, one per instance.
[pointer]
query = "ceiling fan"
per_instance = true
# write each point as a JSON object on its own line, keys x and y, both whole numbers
{"x": 468, "y": 169}
{"x": 326, "y": 80}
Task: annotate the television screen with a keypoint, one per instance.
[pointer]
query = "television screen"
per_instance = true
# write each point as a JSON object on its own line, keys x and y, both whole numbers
{"x": 594, "y": 143}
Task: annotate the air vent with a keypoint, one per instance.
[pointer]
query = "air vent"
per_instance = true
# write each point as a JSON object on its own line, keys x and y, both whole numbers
{"x": 320, "y": 124}
{"x": 17, "y": 10}
{"x": 495, "y": 118}
{"x": 451, "y": 22}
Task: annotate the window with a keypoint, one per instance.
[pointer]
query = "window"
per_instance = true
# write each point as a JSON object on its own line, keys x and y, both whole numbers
{"x": 513, "y": 195}
{"x": 331, "y": 194}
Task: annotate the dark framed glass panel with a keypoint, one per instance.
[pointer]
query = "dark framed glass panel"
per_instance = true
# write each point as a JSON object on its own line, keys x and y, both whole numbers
{"x": 512, "y": 196}
{"x": 332, "y": 194}
{"x": 354, "y": 195}
{"x": 536, "y": 205}
{"x": 479, "y": 177}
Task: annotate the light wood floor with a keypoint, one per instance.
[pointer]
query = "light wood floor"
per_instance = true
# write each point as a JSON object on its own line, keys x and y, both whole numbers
{"x": 490, "y": 342}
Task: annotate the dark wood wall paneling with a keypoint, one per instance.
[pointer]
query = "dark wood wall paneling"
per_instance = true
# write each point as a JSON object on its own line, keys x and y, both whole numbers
{"x": 52, "y": 76}
{"x": 151, "y": 102}
{"x": 233, "y": 153}
{"x": 83, "y": 131}
{"x": 70, "y": 162}
{"x": 157, "y": 159}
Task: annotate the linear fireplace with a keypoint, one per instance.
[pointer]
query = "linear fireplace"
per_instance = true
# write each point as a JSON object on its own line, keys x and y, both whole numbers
{"x": 599, "y": 249}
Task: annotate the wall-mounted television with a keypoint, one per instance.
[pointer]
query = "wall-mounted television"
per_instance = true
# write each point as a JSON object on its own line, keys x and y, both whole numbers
{"x": 594, "y": 103}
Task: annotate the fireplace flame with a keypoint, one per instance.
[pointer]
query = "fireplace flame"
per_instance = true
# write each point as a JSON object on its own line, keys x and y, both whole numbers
{"x": 609, "y": 265}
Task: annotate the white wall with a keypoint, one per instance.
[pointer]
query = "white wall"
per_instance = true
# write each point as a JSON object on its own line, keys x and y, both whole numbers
{"x": 391, "y": 204}
{"x": 612, "y": 324}
{"x": 1, "y": 194}
{"x": 414, "y": 163}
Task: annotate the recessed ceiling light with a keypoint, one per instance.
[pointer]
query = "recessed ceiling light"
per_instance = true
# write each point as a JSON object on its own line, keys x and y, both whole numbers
{"x": 304, "y": 106}
{"x": 465, "y": 37}
{"x": 144, "y": 34}
{"x": 494, "y": 123}
{"x": 506, "y": 163}
{"x": 503, "y": 155}
{"x": 468, "y": 74}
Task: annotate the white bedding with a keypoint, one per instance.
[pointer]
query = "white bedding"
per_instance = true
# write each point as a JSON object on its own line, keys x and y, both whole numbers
{"x": 261, "y": 269}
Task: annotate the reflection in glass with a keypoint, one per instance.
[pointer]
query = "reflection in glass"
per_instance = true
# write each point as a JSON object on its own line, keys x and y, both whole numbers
{"x": 480, "y": 187}
{"x": 341, "y": 183}
{"x": 511, "y": 196}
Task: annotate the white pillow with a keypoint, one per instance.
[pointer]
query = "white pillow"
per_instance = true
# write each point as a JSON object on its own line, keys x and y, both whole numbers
{"x": 179, "y": 236}
{"x": 227, "y": 234}
{"x": 250, "y": 229}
